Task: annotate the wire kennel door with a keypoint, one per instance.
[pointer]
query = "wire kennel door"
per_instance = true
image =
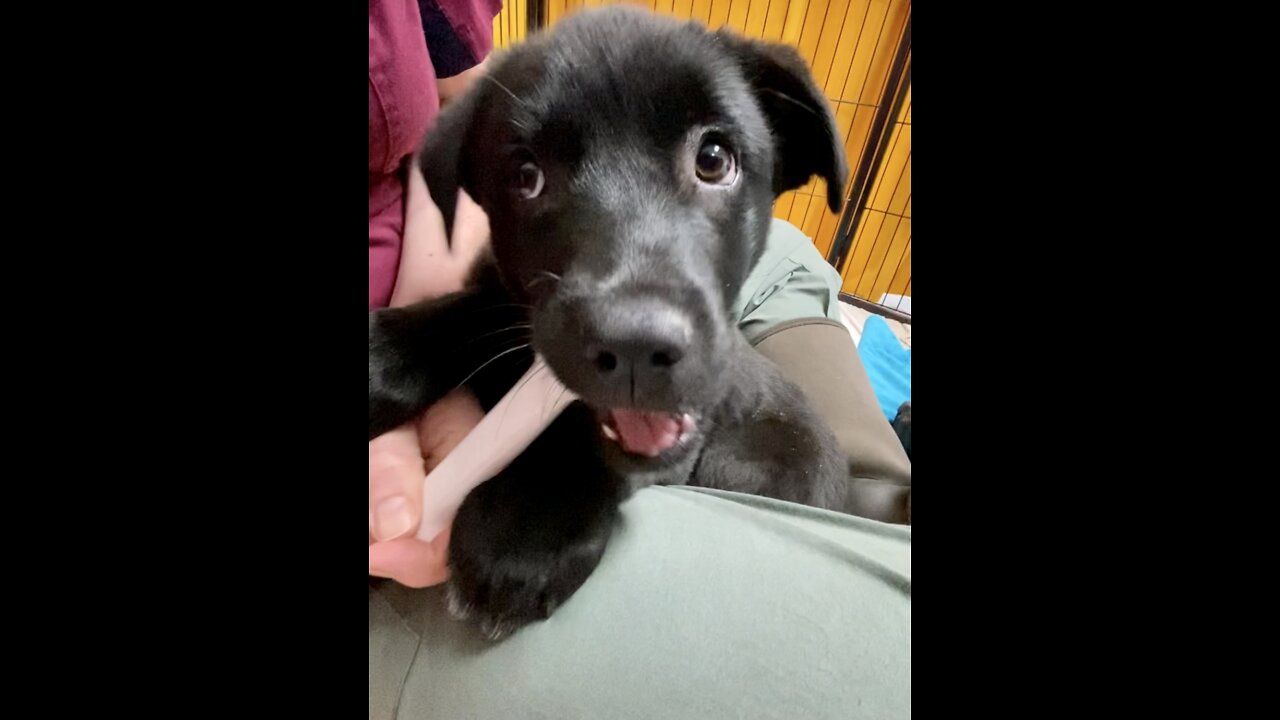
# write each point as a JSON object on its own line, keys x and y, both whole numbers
{"x": 872, "y": 248}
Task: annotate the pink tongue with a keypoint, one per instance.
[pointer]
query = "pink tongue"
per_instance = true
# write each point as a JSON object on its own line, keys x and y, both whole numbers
{"x": 646, "y": 433}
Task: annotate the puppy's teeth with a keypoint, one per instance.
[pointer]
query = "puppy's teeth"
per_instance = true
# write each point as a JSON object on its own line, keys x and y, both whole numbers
{"x": 609, "y": 433}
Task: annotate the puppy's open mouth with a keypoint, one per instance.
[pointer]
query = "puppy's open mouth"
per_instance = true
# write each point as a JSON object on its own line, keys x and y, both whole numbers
{"x": 647, "y": 433}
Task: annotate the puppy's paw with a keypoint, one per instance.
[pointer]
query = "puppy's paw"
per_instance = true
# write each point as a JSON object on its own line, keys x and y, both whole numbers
{"x": 504, "y": 591}
{"x": 523, "y": 542}
{"x": 902, "y": 426}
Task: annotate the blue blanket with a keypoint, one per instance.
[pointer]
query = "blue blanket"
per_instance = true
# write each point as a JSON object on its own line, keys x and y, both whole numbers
{"x": 888, "y": 365}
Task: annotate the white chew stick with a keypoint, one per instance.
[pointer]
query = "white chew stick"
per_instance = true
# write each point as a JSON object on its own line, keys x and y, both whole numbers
{"x": 509, "y": 428}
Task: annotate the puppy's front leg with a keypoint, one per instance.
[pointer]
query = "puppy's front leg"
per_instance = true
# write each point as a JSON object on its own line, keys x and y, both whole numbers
{"x": 525, "y": 541}
{"x": 417, "y": 354}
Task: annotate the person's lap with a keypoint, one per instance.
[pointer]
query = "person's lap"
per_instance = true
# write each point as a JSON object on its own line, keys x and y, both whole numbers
{"x": 706, "y": 604}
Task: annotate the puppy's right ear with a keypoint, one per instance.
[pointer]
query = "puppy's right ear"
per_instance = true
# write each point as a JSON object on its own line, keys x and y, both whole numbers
{"x": 443, "y": 158}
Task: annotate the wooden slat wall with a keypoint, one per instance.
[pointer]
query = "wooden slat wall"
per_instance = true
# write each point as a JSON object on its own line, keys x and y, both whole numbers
{"x": 849, "y": 44}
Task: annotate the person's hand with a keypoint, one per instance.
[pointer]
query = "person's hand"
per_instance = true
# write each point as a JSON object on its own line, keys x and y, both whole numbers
{"x": 398, "y": 465}
{"x": 400, "y": 460}
{"x": 429, "y": 265}
{"x": 452, "y": 88}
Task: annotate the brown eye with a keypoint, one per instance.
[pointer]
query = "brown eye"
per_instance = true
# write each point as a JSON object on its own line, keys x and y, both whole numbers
{"x": 714, "y": 164}
{"x": 529, "y": 181}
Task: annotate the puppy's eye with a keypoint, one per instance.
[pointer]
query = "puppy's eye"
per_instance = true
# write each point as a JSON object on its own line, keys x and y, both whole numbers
{"x": 529, "y": 181}
{"x": 714, "y": 164}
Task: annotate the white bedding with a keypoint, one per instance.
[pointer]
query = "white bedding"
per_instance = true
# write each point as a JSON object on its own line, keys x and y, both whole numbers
{"x": 853, "y": 318}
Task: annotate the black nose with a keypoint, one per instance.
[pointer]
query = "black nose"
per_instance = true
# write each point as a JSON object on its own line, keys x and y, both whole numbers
{"x": 656, "y": 353}
{"x": 643, "y": 336}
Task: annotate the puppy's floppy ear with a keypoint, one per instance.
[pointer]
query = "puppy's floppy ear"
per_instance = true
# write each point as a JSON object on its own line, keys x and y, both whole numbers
{"x": 443, "y": 158}
{"x": 806, "y": 140}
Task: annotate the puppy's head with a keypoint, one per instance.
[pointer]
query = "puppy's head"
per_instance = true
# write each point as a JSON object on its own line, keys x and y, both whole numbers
{"x": 628, "y": 164}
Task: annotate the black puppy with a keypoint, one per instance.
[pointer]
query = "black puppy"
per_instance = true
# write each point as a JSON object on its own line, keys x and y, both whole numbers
{"x": 628, "y": 164}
